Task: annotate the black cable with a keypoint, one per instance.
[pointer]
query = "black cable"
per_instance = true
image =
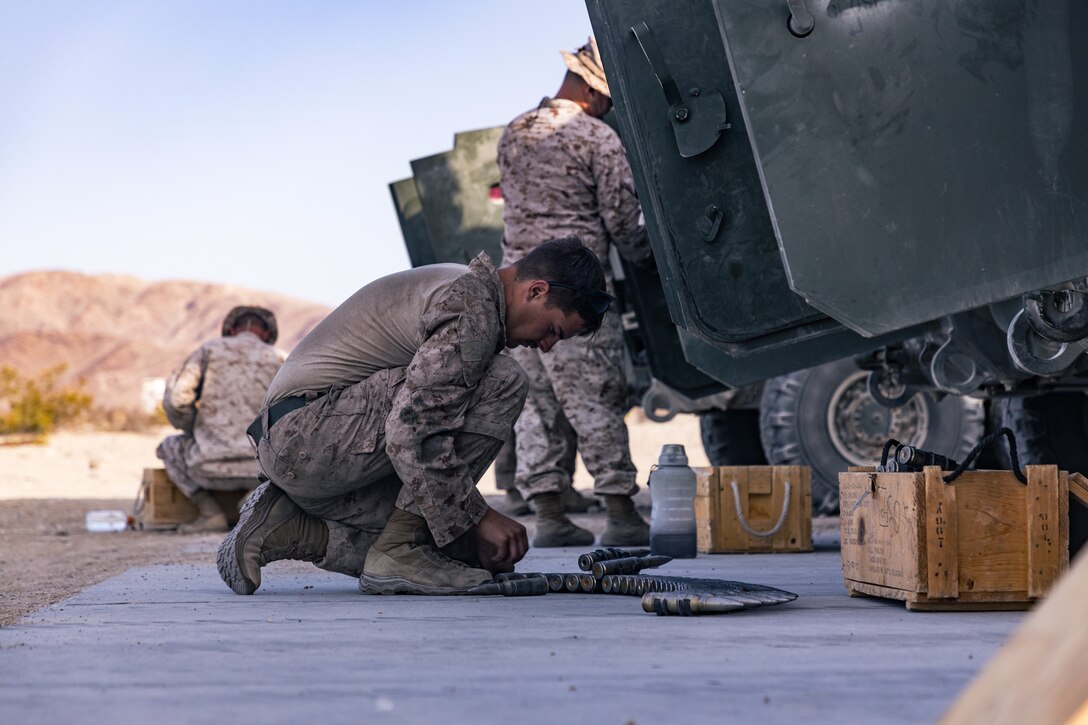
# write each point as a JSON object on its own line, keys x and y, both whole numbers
{"x": 978, "y": 449}
{"x": 884, "y": 455}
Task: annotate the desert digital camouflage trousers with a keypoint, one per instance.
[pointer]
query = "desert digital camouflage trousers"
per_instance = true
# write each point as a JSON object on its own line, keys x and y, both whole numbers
{"x": 330, "y": 456}
{"x": 506, "y": 464}
{"x": 580, "y": 383}
{"x": 189, "y": 479}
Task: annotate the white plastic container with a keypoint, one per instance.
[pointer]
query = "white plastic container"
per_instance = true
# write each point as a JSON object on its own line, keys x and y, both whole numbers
{"x": 107, "y": 520}
{"x": 672, "y": 490}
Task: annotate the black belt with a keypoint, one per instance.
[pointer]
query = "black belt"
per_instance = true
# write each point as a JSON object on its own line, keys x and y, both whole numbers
{"x": 275, "y": 412}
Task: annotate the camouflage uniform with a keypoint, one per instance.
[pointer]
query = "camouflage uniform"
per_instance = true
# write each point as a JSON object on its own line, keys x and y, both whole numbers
{"x": 212, "y": 397}
{"x": 506, "y": 463}
{"x": 565, "y": 172}
{"x": 411, "y": 419}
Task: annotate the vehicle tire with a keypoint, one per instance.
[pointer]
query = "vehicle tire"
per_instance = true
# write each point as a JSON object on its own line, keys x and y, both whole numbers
{"x": 731, "y": 437}
{"x": 823, "y": 417}
{"x": 1049, "y": 429}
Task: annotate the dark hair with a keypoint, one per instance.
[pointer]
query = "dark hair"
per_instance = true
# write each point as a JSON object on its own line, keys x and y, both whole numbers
{"x": 252, "y": 319}
{"x": 574, "y": 265}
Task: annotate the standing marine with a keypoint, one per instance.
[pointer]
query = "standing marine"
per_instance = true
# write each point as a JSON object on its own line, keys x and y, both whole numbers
{"x": 564, "y": 171}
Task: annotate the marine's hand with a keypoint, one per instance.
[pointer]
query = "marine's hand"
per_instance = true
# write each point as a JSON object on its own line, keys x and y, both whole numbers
{"x": 501, "y": 542}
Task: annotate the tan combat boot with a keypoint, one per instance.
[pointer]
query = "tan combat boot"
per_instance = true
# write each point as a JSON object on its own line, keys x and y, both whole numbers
{"x": 404, "y": 560}
{"x": 514, "y": 505}
{"x": 575, "y": 502}
{"x": 553, "y": 528}
{"x": 210, "y": 517}
{"x": 624, "y": 526}
{"x": 270, "y": 527}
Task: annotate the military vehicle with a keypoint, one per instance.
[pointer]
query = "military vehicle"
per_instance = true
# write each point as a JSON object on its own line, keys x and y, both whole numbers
{"x": 451, "y": 208}
{"x": 868, "y": 217}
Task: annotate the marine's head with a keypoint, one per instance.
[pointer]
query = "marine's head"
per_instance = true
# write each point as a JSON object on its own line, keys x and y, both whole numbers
{"x": 555, "y": 292}
{"x": 256, "y": 320}
{"x": 585, "y": 82}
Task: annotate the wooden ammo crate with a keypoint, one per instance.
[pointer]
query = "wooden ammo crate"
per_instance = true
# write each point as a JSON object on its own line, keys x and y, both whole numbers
{"x": 163, "y": 504}
{"x": 164, "y": 507}
{"x": 775, "y": 509}
{"x": 985, "y": 541}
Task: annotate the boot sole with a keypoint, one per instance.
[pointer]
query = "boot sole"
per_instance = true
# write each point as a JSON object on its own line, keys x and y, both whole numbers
{"x": 370, "y": 584}
{"x": 228, "y": 558}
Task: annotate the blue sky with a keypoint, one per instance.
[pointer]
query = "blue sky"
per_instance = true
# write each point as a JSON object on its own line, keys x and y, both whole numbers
{"x": 247, "y": 142}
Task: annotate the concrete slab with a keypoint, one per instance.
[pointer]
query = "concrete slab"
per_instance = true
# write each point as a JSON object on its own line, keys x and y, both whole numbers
{"x": 172, "y": 644}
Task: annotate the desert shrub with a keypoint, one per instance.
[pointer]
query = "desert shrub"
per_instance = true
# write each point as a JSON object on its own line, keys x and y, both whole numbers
{"x": 130, "y": 420}
{"x": 38, "y": 404}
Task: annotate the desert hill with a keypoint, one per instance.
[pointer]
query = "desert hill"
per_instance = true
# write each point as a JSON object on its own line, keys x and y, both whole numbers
{"x": 115, "y": 331}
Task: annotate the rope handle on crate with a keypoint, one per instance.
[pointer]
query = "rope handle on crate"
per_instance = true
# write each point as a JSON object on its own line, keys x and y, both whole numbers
{"x": 140, "y": 503}
{"x": 774, "y": 529}
{"x": 969, "y": 459}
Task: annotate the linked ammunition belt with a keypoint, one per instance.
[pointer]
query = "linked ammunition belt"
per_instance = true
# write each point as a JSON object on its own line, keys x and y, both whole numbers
{"x": 616, "y": 571}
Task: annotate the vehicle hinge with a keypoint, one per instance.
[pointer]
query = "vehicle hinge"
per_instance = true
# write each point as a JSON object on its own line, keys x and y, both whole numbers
{"x": 697, "y": 119}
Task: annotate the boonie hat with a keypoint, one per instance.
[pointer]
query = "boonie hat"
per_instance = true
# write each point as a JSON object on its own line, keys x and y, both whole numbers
{"x": 265, "y": 315}
{"x": 586, "y": 63}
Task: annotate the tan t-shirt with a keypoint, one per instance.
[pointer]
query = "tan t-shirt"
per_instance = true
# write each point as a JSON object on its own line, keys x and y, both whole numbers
{"x": 377, "y": 328}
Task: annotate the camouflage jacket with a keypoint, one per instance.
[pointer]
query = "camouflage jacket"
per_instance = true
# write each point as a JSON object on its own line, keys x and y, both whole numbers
{"x": 215, "y": 395}
{"x": 463, "y": 329}
{"x": 440, "y": 325}
{"x": 565, "y": 172}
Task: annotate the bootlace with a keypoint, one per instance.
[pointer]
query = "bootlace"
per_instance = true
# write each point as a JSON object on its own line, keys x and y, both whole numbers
{"x": 438, "y": 558}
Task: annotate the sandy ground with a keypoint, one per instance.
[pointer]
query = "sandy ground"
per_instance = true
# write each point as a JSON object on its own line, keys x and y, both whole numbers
{"x": 46, "y": 553}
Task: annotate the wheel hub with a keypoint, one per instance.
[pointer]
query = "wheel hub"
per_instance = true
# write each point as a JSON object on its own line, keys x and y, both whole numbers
{"x": 859, "y": 426}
